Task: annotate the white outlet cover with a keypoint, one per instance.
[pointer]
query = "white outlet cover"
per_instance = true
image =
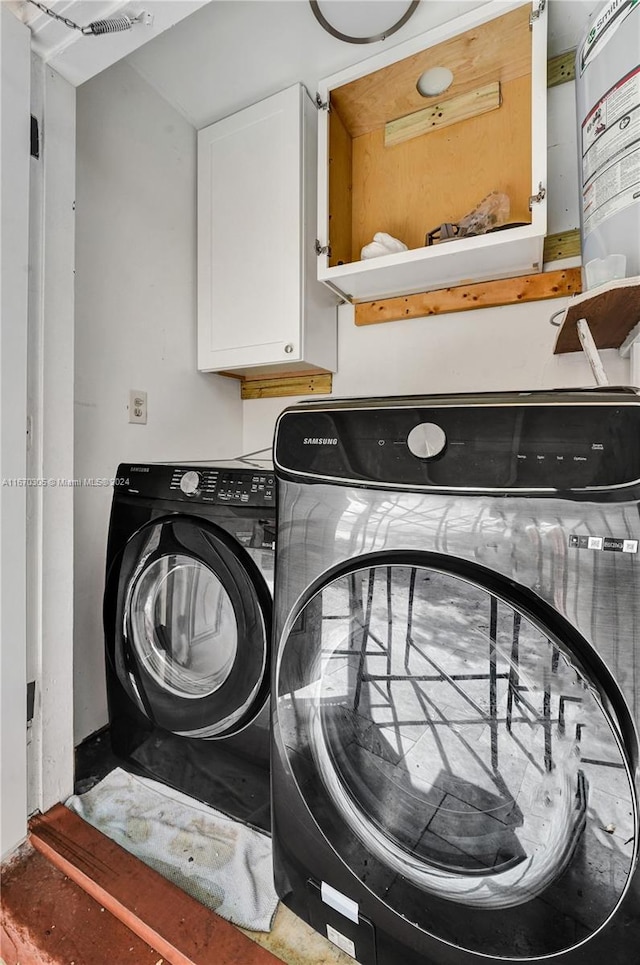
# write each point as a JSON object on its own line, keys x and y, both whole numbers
{"x": 138, "y": 406}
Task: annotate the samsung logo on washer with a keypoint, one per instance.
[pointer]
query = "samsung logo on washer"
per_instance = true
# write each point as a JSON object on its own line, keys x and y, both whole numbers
{"x": 316, "y": 441}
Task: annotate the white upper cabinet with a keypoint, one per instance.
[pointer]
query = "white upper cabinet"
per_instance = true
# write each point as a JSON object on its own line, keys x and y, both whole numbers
{"x": 392, "y": 160}
{"x": 261, "y": 309}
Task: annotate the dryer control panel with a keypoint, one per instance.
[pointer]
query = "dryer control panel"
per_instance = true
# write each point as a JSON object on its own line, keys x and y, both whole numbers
{"x": 204, "y": 484}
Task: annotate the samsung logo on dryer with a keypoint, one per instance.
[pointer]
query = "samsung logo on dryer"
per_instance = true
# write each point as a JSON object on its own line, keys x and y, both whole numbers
{"x": 318, "y": 441}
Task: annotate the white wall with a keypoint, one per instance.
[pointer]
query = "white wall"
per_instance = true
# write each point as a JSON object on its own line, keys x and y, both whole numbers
{"x": 50, "y": 450}
{"x": 135, "y": 312}
{"x": 488, "y": 349}
{"x": 483, "y": 350}
{"x": 505, "y": 348}
{"x": 135, "y": 329}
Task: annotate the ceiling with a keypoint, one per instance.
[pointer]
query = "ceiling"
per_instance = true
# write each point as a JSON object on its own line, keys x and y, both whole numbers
{"x": 78, "y": 57}
{"x": 221, "y": 55}
{"x": 231, "y": 54}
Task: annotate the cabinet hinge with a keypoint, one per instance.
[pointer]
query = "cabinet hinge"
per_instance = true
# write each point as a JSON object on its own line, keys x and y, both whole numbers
{"x": 323, "y": 249}
{"x": 320, "y": 104}
{"x": 537, "y": 198}
{"x": 35, "y": 138}
{"x": 536, "y": 12}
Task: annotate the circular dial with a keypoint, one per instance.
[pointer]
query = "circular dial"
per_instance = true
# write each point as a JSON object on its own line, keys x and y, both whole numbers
{"x": 190, "y": 483}
{"x": 426, "y": 440}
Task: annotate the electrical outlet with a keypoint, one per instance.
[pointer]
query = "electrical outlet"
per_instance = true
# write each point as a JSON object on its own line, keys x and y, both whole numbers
{"x": 137, "y": 406}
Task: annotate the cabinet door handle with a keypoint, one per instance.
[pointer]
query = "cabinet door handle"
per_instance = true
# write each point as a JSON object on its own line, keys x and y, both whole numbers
{"x": 289, "y": 348}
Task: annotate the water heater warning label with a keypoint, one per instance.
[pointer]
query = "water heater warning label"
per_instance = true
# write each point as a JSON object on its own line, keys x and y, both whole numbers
{"x": 603, "y": 543}
{"x": 611, "y": 153}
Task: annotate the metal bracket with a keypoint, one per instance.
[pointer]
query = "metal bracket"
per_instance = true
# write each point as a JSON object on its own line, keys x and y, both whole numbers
{"x": 590, "y": 350}
{"x": 537, "y": 198}
{"x": 323, "y": 249}
{"x": 536, "y": 12}
{"x": 31, "y": 699}
{"x": 320, "y": 104}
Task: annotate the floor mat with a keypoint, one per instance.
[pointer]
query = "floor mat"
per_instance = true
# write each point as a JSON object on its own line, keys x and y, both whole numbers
{"x": 220, "y": 862}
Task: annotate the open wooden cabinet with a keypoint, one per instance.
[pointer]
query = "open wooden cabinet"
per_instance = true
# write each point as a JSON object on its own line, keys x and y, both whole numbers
{"x": 392, "y": 160}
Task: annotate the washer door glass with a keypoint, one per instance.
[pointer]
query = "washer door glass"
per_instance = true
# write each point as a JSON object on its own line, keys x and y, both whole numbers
{"x": 459, "y": 758}
{"x": 192, "y": 631}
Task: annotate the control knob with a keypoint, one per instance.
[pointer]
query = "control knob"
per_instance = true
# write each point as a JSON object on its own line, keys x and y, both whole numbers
{"x": 426, "y": 440}
{"x": 190, "y": 483}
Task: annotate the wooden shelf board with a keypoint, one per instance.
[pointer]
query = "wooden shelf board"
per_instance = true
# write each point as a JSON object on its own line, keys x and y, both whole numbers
{"x": 611, "y": 312}
{"x": 507, "y": 291}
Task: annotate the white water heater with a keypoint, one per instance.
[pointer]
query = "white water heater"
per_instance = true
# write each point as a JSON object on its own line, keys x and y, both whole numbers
{"x": 608, "y": 108}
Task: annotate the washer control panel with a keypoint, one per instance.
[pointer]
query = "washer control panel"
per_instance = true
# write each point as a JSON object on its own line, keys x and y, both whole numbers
{"x": 551, "y": 441}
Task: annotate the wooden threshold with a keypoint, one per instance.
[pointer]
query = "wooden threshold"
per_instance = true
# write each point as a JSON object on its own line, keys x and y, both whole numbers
{"x": 179, "y": 928}
{"x": 47, "y": 919}
{"x": 508, "y": 291}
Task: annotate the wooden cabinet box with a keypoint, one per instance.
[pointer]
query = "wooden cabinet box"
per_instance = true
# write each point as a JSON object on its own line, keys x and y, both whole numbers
{"x": 261, "y": 309}
{"x": 411, "y": 185}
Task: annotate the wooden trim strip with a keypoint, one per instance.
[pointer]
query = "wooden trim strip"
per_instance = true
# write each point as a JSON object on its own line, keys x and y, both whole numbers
{"x": 564, "y": 244}
{"x": 289, "y": 385}
{"x": 507, "y": 291}
{"x": 182, "y": 930}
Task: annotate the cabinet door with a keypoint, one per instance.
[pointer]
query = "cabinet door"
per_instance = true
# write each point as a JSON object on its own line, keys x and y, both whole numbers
{"x": 249, "y": 235}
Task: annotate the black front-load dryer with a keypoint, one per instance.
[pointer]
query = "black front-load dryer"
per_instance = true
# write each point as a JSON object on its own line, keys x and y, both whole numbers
{"x": 187, "y": 616}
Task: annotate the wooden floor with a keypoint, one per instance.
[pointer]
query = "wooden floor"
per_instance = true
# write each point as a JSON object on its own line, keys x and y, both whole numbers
{"x": 71, "y": 896}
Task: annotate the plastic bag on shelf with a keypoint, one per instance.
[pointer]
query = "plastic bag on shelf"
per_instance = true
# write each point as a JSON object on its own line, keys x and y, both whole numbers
{"x": 492, "y": 211}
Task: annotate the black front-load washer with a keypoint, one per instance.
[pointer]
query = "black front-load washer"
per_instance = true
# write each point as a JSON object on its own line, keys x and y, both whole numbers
{"x": 456, "y": 676}
{"x": 187, "y": 617}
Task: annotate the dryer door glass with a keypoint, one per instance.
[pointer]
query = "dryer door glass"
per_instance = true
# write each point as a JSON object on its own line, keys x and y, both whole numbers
{"x": 456, "y": 752}
{"x": 183, "y": 625}
{"x": 192, "y": 639}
